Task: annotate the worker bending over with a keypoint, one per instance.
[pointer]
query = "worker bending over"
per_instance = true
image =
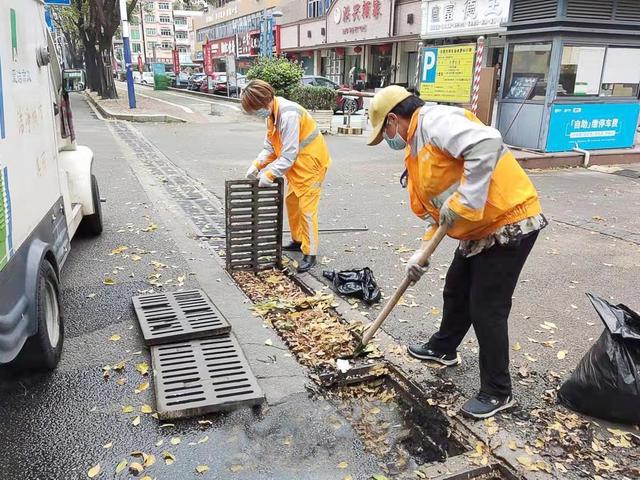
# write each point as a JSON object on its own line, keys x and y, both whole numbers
{"x": 293, "y": 148}
{"x": 459, "y": 173}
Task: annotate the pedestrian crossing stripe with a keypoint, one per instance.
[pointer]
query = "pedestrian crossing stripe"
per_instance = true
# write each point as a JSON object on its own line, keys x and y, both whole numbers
{"x": 6, "y": 236}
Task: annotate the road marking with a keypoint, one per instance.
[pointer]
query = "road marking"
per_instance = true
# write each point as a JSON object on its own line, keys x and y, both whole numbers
{"x": 186, "y": 109}
{"x": 193, "y": 98}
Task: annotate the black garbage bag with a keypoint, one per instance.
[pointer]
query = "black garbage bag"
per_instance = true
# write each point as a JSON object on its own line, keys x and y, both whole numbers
{"x": 356, "y": 283}
{"x": 606, "y": 382}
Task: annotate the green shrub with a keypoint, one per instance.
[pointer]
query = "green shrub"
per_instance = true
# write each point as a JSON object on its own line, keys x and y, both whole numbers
{"x": 279, "y": 72}
{"x": 314, "y": 98}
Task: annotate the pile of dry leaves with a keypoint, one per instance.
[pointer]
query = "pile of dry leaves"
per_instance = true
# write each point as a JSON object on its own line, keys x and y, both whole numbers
{"x": 307, "y": 323}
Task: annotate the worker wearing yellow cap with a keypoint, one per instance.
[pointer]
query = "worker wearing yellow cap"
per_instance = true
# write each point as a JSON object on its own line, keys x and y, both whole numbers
{"x": 459, "y": 173}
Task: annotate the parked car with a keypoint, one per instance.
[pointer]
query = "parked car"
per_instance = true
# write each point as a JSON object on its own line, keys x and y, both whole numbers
{"x": 195, "y": 81}
{"x": 234, "y": 86}
{"x": 343, "y": 104}
{"x": 217, "y": 82}
{"x": 181, "y": 80}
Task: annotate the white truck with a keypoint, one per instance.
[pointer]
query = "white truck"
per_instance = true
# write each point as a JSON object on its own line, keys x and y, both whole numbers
{"x": 48, "y": 192}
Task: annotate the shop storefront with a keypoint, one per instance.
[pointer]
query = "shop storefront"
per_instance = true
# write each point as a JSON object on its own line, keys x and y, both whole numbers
{"x": 564, "y": 90}
{"x": 360, "y": 43}
{"x": 248, "y": 45}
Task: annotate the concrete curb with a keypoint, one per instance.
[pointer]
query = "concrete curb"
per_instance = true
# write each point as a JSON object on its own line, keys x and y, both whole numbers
{"x": 133, "y": 117}
{"x": 206, "y": 95}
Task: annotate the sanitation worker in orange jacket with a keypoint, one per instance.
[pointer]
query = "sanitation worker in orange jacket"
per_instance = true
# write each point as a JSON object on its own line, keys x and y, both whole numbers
{"x": 460, "y": 173}
{"x": 293, "y": 148}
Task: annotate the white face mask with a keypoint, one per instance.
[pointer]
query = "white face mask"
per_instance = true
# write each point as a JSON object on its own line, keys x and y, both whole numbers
{"x": 263, "y": 113}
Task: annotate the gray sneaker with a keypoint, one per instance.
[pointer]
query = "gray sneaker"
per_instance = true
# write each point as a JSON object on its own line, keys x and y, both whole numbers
{"x": 484, "y": 405}
{"x": 425, "y": 352}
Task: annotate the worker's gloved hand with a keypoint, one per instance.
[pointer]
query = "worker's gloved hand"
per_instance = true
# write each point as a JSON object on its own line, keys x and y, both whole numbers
{"x": 265, "y": 181}
{"x": 414, "y": 269}
{"x": 252, "y": 173}
{"x": 447, "y": 216}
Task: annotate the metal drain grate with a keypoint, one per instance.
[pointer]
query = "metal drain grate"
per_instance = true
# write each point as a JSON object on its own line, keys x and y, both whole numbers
{"x": 171, "y": 317}
{"x": 254, "y": 225}
{"x": 202, "y": 376}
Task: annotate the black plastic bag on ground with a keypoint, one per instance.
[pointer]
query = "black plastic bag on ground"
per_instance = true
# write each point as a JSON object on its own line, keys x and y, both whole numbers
{"x": 606, "y": 382}
{"x": 356, "y": 283}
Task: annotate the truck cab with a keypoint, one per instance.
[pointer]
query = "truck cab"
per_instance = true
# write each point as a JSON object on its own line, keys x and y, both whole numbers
{"x": 48, "y": 192}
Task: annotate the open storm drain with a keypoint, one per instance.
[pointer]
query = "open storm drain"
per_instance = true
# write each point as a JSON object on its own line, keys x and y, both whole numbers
{"x": 202, "y": 376}
{"x": 170, "y": 317}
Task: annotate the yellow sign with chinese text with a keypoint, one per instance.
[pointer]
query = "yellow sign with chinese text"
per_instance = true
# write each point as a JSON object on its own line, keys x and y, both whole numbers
{"x": 447, "y": 73}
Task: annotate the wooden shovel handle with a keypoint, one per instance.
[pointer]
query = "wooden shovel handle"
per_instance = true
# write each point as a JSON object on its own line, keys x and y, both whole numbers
{"x": 441, "y": 232}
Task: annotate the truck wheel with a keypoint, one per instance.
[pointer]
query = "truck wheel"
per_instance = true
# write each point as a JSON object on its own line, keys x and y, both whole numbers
{"x": 42, "y": 351}
{"x": 91, "y": 225}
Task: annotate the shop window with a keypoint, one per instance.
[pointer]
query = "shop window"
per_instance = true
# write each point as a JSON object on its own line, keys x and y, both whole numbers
{"x": 580, "y": 71}
{"x": 528, "y": 71}
{"x": 621, "y": 74}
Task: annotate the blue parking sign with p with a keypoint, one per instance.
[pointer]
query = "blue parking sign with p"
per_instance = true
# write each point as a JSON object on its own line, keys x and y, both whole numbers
{"x": 429, "y": 62}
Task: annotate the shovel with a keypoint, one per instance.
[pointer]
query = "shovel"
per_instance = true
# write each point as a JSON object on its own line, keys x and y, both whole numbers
{"x": 441, "y": 232}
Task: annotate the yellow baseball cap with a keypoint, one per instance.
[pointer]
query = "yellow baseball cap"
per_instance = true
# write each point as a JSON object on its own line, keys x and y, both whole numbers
{"x": 383, "y": 102}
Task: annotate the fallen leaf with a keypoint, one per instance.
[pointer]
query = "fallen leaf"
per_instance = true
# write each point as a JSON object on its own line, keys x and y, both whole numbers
{"x": 109, "y": 281}
{"x": 135, "y": 468}
{"x": 143, "y": 368}
{"x": 526, "y": 461}
{"x": 146, "y": 409}
{"x": 204, "y": 439}
{"x": 94, "y": 471}
{"x": 142, "y": 387}
{"x": 236, "y": 468}
{"x": 136, "y": 258}
{"x": 377, "y": 476}
{"x": 202, "y": 469}
{"x": 119, "y": 250}
{"x": 561, "y": 354}
{"x": 108, "y": 445}
{"x": 91, "y": 295}
{"x": 122, "y": 465}
{"x": 136, "y": 421}
{"x": 127, "y": 409}
{"x": 149, "y": 460}
{"x": 115, "y": 338}
{"x": 146, "y": 477}
{"x": 374, "y": 411}
{"x": 517, "y": 347}
{"x": 268, "y": 342}
{"x": 512, "y": 445}
{"x": 150, "y": 228}
{"x": 175, "y": 441}
{"x": 343, "y": 465}
{"x": 168, "y": 458}
{"x": 159, "y": 443}
{"x": 530, "y": 358}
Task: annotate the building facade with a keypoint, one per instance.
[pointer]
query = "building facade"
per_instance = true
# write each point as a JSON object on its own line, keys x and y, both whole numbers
{"x": 156, "y": 30}
{"x": 361, "y": 43}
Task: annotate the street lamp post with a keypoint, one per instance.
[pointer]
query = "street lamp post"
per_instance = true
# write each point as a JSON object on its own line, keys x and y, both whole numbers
{"x": 126, "y": 46}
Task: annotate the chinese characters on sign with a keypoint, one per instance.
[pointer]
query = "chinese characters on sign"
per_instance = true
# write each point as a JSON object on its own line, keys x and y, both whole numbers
{"x": 464, "y": 16}
{"x": 20, "y": 76}
{"x": 592, "y": 126}
{"x": 357, "y": 12}
{"x": 447, "y": 73}
{"x": 223, "y": 47}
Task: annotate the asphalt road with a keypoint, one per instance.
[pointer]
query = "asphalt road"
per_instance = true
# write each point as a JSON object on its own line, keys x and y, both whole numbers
{"x": 591, "y": 245}
{"x": 57, "y": 426}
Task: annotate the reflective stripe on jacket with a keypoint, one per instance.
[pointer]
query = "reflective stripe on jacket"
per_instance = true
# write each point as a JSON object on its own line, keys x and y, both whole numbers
{"x": 294, "y": 147}
{"x": 451, "y": 152}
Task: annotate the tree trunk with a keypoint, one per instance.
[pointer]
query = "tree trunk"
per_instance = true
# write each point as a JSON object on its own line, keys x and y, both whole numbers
{"x": 108, "y": 84}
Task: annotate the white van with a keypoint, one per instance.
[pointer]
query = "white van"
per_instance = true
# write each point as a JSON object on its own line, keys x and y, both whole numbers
{"x": 47, "y": 190}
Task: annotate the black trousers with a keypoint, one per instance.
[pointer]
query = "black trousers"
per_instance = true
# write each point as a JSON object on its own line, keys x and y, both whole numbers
{"x": 478, "y": 292}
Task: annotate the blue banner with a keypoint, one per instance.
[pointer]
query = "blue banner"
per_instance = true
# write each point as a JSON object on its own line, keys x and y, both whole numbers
{"x": 58, "y": 2}
{"x": 592, "y": 126}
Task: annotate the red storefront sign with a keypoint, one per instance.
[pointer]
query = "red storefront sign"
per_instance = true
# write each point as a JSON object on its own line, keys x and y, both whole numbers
{"x": 176, "y": 61}
{"x": 248, "y": 44}
{"x": 206, "y": 56}
{"x": 223, "y": 47}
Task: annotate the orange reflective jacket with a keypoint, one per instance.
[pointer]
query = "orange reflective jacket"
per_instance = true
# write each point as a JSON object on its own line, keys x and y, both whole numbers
{"x": 450, "y": 152}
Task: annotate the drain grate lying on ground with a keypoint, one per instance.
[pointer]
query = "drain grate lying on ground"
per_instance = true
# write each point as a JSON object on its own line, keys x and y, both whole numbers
{"x": 626, "y": 172}
{"x": 202, "y": 376}
{"x": 171, "y": 317}
{"x": 254, "y": 225}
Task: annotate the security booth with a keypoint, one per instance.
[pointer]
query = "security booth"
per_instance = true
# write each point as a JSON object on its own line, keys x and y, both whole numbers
{"x": 571, "y": 76}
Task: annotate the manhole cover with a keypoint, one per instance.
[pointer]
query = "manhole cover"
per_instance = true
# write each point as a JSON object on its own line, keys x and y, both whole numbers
{"x": 253, "y": 225}
{"x": 202, "y": 376}
{"x": 171, "y": 317}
